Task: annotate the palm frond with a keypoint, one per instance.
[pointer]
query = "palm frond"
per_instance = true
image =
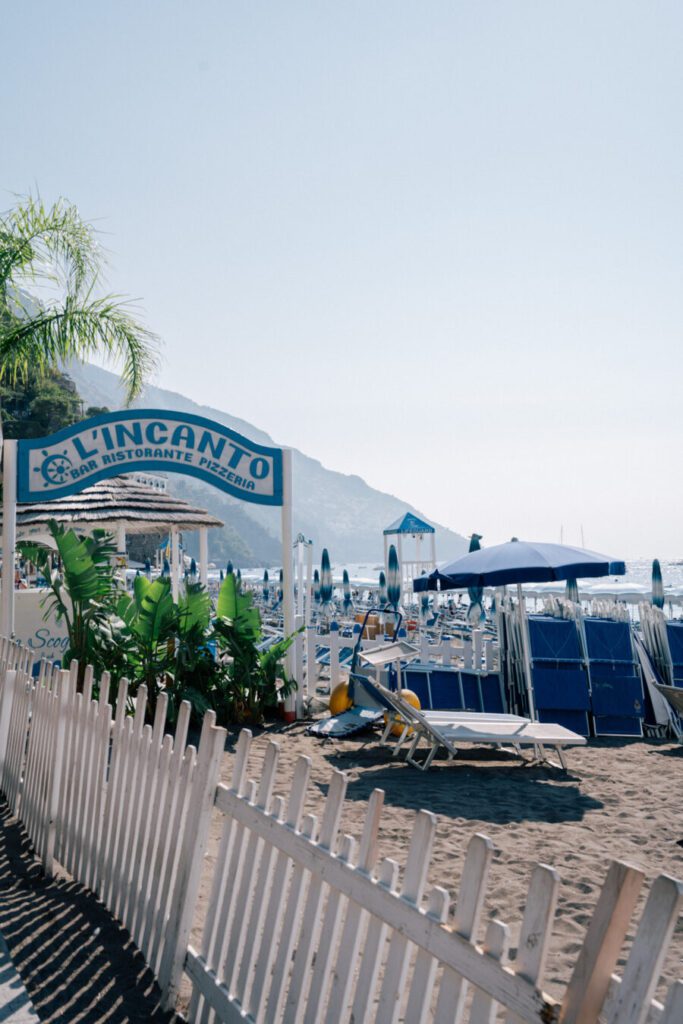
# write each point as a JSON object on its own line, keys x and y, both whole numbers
{"x": 34, "y": 236}
{"x": 79, "y": 331}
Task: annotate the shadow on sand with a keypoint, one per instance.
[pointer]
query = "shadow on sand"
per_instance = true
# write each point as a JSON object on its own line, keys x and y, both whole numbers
{"x": 75, "y": 960}
{"x": 498, "y": 788}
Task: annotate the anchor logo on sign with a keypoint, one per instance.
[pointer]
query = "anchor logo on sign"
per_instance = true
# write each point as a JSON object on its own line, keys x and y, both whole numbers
{"x": 55, "y": 469}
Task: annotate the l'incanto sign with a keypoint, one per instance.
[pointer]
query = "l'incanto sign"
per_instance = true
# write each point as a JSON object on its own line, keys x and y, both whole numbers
{"x": 144, "y": 440}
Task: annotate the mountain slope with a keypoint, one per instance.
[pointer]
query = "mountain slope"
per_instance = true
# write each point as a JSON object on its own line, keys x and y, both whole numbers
{"x": 334, "y": 510}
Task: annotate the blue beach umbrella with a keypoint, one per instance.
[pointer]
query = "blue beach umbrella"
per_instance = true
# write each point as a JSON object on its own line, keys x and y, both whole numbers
{"x": 280, "y": 589}
{"x": 316, "y": 586}
{"x": 326, "y": 583}
{"x": 382, "y": 594}
{"x": 148, "y": 566}
{"x": 239, "y": 577}
{"x": 166, "y": 571}
{"x": 346, "y": 589}
{"x": 519, "y": 562}
{"x": 393, "y": 579}
{"x": 571, "y": 591}
{"x": 229, "y": 568}
{"x": 476, "y": 613}
{"x": 221, "y": 575}
{"x": 193, "y": 567}
{"x": 657, "y": 585}
{"x": 266, "y": 587}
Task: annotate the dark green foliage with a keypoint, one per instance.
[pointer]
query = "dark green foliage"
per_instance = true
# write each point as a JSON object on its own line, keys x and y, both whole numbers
{"x": 39, "y": 405}
{"x": 178, "y": 648}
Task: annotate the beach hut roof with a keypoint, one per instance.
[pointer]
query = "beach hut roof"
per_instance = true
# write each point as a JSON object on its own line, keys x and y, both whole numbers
{"x": 121, "y": 500}
{"x": 409, "y": 523}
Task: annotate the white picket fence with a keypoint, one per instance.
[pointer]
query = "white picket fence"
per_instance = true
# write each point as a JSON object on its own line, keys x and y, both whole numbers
{"x": 303, "y": 925}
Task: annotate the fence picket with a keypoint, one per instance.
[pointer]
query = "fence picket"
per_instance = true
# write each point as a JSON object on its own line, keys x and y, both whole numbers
{"x": 310, "y": 921}
{"x": 534, "y": 937}
{"x": 468, "y": 911}
{"x": 647, "y": 952}
{"x": 172, "y": 794}
{"x": 590, "y": 981}
{"x": 673, "y": 1008}
{"x": 424, "y": 972}
{"x": 375, "y": 938}
{"x": 254, "y": 1000}
{"x": 414, "y": 880}
{"x": 484, "y": 1008}
{"x": 356, "y": 918}
{"x": 329, "y": 936}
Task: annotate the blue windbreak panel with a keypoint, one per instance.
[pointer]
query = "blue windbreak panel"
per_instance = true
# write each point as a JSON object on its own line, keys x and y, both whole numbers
{"x": 608, "y": 641}
{"x": 471, "y": 692}
{"x": 492, "y": 694}
{"x": 553, "y": 639}
{"x": 674, "y": 632}
{"x": 418, "y": 682}
{"x": 446, "y": 689}
{"x": 577, "y": 721}
{"x": 615, "y": 726}
{"x": 561, "y": 689}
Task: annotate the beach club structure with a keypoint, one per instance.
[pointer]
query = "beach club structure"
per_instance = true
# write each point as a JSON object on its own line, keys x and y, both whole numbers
{"x": 305, "y": 923}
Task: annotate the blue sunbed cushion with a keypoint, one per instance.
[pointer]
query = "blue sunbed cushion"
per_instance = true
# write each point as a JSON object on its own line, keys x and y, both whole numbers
{"x": 554, "y": 639}
{"x": 567, "y": 688}
{"x": 608, "y": 641}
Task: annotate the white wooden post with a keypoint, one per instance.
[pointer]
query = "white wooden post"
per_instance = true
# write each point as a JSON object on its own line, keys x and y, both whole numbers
{"x": 9, "y": 533}
{"x": 121, "y": 540}
{"x": 524, "y": 633}
{"x": 433, "y": 546}
{"x": 309, "y": 582}
{"x": 203, "y": 556}
{"x": 311, "y": 664}
{"x": 287, "y": 580}
{"x": 175, "y": 564}
{"x": 299, "y": 670}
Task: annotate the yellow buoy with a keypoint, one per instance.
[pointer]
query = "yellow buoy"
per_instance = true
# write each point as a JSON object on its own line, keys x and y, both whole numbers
{"x": 410, "y": 698}
{"x": 339, "y": 699}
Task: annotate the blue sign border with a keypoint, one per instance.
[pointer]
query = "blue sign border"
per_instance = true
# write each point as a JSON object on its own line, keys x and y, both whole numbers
{"x": 25, "y": 447}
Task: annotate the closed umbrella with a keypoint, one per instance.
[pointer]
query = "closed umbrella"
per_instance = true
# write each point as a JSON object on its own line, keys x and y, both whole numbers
{"x": 382, "y": 594}
{"x": 148, "y": 566}
{"x": 280, "y": 589}
{"x": 346, "y": 590}
{"x": 239, "y": 578}
{"x": 266, "y": 587}
{"x": 476, "y": 613}
{"x": 229, "y": 568}
{"x": 571, "y": 591}
{"x": 326, "y": 583}
{"x": 316, "y": 587}
{"x": 221, "y": 575}
{"x": 193, "y": 567}
{"x": 166, "y": 571}
{"x": 657, "y": 585}
{"x": 393, "y": 579}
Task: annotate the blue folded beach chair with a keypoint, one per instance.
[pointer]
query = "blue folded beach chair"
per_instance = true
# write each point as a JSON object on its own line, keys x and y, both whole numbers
{"x": 447, "y": 688}
{"x": 559, "y": 678}
{"x": 617, "y": 698}
{"x": 674, "y": 634}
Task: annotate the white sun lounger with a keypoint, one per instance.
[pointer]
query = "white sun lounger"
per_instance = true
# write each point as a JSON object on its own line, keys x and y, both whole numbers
{"x": 450, "y": 729}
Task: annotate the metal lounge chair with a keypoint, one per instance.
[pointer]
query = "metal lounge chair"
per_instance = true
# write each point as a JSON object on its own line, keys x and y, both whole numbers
{"x": 449, "y": 730}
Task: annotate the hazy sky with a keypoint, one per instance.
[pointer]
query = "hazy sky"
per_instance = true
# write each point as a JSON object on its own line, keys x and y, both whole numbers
{"x": 438, "y": 245}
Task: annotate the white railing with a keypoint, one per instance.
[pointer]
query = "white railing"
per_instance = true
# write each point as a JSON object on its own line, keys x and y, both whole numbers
{"x": 303, "y": 924}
